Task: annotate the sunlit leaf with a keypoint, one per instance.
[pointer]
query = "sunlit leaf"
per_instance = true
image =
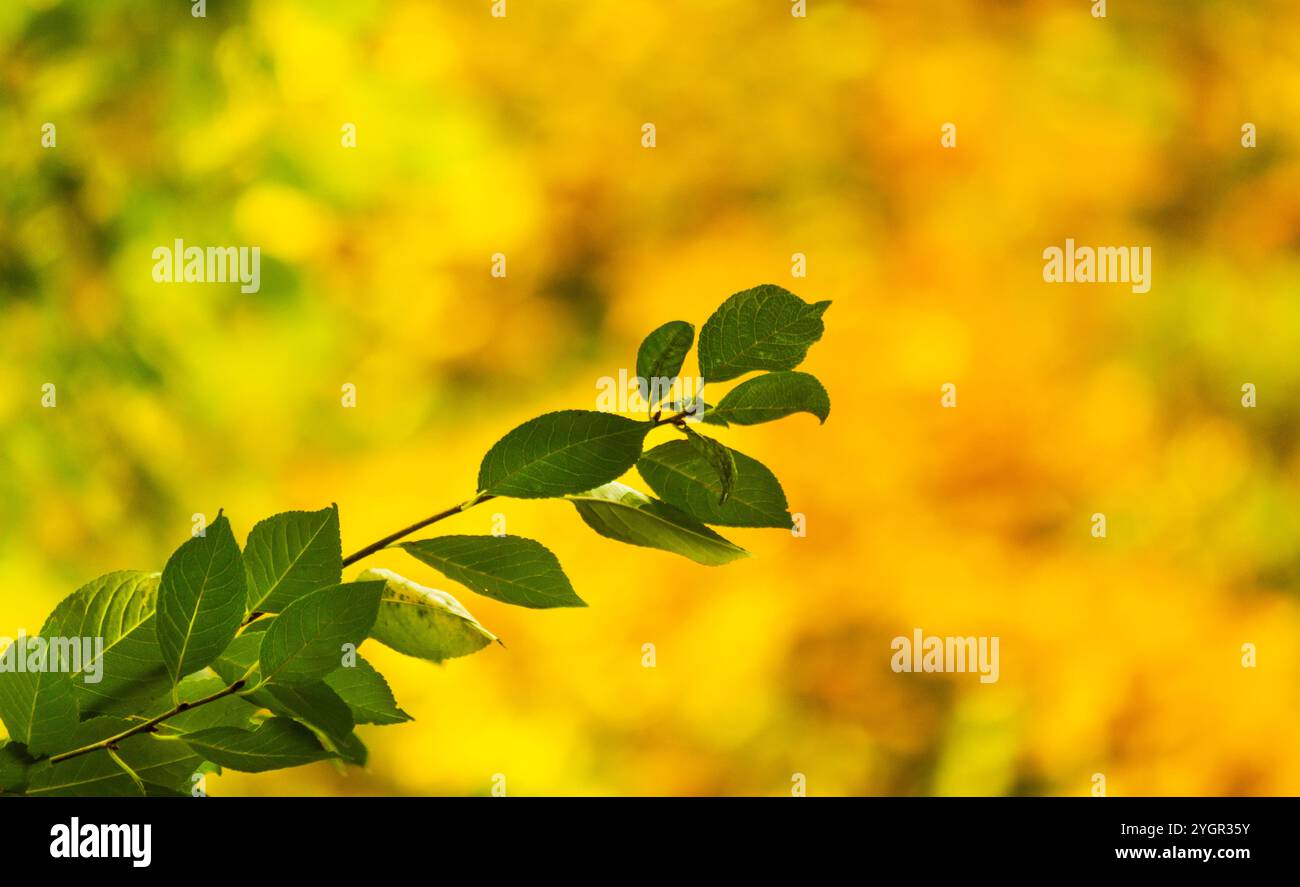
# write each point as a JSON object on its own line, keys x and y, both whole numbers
{"x": 422, "y": 622}
{"x": 200, "y": 600}
{"x": 305, "y": 642}
{"x": 291, "y": 554}
{"x": 121, "y": 609}
{"x": 620, "y": 512}
{"x": 37, "y": 703}
{"x": 367, "y": 694}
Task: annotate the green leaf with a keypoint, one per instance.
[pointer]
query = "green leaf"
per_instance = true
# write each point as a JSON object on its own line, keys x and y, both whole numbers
{"x": 365, "y": 691}
{"x": 236, "y": 660}
{"x": 717, "y": 455}
{"x": 315, "y": 703}
{"x": 561, "y": 453}
{"x": 278, "y": 743}
{"x": 772, "y": 396}
{"x": 619, "y": 512}
{"x": 305, "y": 642}
{"x": 351, "y": 749}
{"x": 681, "y": 476}
{"x": 422, "y": 622}
{"x": 312, "y": 702}
{"x": 317, "y": 706}
{"x": 201, "y": 600}
{"x": 660, "y": 357}
{"x": 37, "y": 704}
{"x": 14, "y": 763}
{"x": 120, "y": 608}
{"x": 164, "y": 766}
{"x": 93, "y": 730}
{"x": 764, "y": 328}
{"x": 291, "y": 554}
{"x": 510, "y": 569}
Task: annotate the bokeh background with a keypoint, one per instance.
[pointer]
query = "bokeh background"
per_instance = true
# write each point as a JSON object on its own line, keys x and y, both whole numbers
{"x": 776, "y": 135}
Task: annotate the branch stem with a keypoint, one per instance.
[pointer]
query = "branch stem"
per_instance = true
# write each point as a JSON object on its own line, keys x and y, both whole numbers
{"x": 418, "y": 525}
{"x": 674, "y": 419}
{"x": 388, "y": 540}
{"x": 148, "y": 726}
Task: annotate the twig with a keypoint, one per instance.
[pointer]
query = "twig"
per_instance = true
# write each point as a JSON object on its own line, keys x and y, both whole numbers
{"x": 147, "y": 727}
{"x": 419, "y": 525}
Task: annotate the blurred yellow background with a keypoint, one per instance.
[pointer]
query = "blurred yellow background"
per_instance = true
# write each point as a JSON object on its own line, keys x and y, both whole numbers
{"x": 775, "y": 135}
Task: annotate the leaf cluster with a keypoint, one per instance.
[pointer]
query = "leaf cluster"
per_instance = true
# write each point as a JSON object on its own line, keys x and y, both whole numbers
{"x": 245, "y": 657}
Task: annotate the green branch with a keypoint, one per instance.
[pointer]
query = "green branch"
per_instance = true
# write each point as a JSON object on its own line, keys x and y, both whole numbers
{"x": 111, "y": 742}
{"x": 418, "y": 525}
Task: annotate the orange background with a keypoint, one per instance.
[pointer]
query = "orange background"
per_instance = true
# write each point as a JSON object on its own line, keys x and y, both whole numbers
{"x": 775, "y": 135}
